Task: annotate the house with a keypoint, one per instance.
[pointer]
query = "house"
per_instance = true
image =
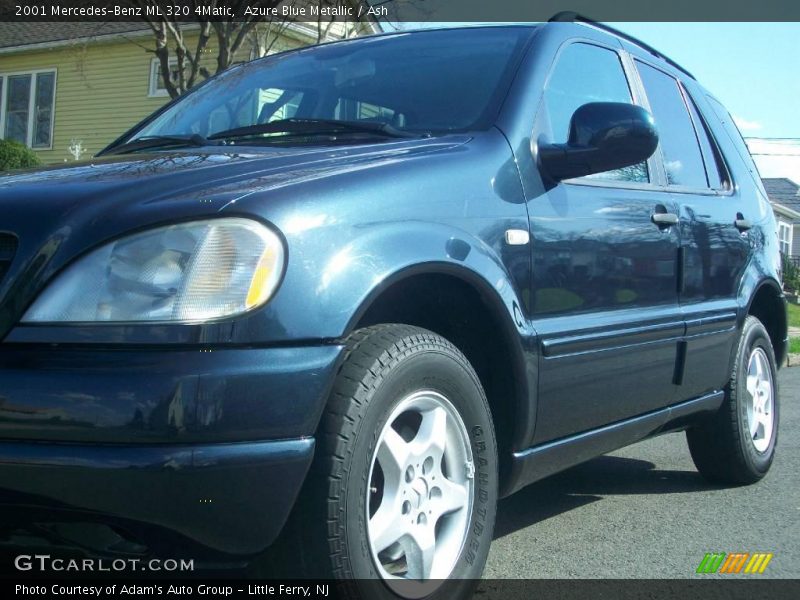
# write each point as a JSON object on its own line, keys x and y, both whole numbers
{"x": 72, "y": 88}
{"x": 784, "y": 195}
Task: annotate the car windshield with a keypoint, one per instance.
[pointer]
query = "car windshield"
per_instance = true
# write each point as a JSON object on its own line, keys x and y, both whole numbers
{"x": 425, "y": 82}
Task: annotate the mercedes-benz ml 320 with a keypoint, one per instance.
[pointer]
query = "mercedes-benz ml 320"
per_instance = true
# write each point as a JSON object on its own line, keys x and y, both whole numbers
{"x": 356, "y": 293}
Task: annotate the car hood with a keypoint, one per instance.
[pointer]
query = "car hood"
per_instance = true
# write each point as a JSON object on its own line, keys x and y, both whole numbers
{"x": 109, "y": 195}
{"x": 57, "y": 213}
{"x": 117, "y": 180}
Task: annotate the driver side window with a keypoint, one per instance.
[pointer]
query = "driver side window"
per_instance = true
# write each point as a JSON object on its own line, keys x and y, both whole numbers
{"x": 586, "y": 73}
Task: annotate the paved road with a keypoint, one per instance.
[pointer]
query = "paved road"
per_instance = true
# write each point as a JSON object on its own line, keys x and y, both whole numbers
{"x": 645, "y": 512}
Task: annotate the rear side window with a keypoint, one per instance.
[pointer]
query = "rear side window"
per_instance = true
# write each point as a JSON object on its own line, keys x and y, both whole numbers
{"x": 586, "y": 73}
{"x": 715, "y": 171}
{"x": 734, "y": 134}
{"x": 683, "y": 160}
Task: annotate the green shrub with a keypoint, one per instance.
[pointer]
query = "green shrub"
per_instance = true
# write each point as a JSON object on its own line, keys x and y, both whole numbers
{"x": 14, "y": 155}
{"x": 791, "y": 275}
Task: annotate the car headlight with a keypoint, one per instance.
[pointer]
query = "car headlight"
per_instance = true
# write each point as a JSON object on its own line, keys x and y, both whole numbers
{"x": 188, "y": 272}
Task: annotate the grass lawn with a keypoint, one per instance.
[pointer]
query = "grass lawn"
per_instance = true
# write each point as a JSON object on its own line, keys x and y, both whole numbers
{"x": 794, "y": 321}
{"x": 794, "y": 315}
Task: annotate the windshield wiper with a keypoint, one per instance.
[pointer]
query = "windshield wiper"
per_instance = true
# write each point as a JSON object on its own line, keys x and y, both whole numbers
{"x": 286, "y": 127}
{"x": 162, "y": 141}
{"x": 301, "y": 127}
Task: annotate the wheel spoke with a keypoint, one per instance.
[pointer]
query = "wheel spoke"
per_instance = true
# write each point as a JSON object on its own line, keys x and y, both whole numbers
{"x": 393, "y": 454}
{"x": 760, "y": 428}
{"x": 752, "y": 422}
{"x": 454, "y": 497}
{"x": 752, "y": 386}
{"x": 385, "y": 526}
{"x": 766, "y": 395}
{"x": 759, "y": 368}
{"x": 420, "y": 550}
{"x": 432, "y": 434}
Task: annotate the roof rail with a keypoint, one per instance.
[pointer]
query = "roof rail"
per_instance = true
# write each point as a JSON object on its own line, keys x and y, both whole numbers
{"x": 573, "y": 17}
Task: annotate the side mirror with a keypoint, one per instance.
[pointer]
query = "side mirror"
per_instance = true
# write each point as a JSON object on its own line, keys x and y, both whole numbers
{"x": 603, "y": 136}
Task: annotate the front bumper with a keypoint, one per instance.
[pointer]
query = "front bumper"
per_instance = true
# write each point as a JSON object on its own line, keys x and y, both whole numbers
{"x": 230, "y": 498}
{"x": 173, "y": 446}
{"x": 119, "y": 394}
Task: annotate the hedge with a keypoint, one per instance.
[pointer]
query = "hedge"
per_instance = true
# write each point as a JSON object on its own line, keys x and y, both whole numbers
{"x": 14, "y": 155}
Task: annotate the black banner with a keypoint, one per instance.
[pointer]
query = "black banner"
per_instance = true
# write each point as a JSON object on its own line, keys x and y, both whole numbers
{"x": 396, "y": 11}
{"x": 489, "y": 589}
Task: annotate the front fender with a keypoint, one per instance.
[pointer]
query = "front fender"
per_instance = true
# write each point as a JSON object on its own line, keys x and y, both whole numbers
{"x": 325, "y": 298}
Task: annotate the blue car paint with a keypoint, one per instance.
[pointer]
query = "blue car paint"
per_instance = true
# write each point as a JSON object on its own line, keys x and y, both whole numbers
{"x": 356, "y": 220}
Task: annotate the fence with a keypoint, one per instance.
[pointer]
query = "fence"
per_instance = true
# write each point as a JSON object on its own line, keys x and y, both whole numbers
{"x": 791, "y": 260}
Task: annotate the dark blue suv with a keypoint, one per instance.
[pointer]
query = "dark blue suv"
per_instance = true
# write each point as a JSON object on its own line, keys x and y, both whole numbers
{"x": 358, "y": 292}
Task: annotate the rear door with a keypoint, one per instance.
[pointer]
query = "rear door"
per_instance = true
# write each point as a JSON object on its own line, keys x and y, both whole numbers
{"x": 604, "y": 293}
{"x": 715, "y": 243}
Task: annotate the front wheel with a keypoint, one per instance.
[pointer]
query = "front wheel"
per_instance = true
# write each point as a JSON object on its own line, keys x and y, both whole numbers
{"x": 406, "y": 472}
{"x": 737, "y": 444}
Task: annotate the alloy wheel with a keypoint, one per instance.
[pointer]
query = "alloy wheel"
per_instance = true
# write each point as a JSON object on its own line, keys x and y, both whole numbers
{"x": 420, "y": 492}
{"x": 760, "y": 418}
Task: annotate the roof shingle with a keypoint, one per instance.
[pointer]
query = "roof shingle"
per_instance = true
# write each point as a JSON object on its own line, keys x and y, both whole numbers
{"x": 784, "y": 192}
{"x": 26, "y": 34}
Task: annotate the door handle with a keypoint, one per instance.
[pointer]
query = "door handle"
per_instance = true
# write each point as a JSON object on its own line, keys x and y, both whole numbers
{"x": 664, "y": 219}
{"x": 742, "y": 224}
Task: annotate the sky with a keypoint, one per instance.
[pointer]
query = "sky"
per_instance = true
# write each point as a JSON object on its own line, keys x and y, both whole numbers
{"x": 753, "y": 69}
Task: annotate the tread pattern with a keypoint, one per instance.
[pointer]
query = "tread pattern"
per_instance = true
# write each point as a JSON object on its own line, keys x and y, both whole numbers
{"x": 716, "y": 446}
{"x": 370, "y": 354}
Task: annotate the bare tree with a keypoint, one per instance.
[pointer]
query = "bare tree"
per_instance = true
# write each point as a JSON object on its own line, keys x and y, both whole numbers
{"x": 182, "y": 41}
{"x": 264, "y": 35}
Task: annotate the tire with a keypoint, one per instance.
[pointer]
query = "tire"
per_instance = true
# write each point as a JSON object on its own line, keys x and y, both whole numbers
{"x": 737, "y": 444}
{"x": 406, "y": 451}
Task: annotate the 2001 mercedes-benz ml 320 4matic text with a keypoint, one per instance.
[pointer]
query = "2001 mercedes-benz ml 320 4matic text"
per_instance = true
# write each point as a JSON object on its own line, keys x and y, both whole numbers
{"x": 356, "y": 293}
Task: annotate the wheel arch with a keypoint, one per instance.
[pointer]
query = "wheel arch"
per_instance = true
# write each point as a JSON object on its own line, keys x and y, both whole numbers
{"x": 768, "y": 304}
{"x": 462, "y": 306}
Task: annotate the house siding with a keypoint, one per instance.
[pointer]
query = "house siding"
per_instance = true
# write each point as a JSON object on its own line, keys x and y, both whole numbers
{"x": 101, "y": 89}
{"x": 796, "y": 240}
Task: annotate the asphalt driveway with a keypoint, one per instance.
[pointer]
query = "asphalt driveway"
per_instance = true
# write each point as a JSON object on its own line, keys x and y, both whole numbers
{"x": 645, "y": 512}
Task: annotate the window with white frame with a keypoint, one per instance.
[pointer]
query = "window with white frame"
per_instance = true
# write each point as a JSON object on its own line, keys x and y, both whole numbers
{"x": 26, "y": 107}
{"x": 785, "y": 238}
{"x": 157, "y": 87}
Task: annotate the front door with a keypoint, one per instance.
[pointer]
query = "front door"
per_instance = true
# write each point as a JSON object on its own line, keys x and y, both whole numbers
{"x": 605, "y": 278}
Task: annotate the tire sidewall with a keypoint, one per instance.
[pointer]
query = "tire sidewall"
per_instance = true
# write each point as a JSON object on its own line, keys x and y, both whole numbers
{"x": 450, "y": 376}
{"x": 755, "y": 336}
